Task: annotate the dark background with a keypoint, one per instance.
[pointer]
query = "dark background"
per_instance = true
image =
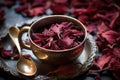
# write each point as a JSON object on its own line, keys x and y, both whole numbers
{"x": 7, "y": 76}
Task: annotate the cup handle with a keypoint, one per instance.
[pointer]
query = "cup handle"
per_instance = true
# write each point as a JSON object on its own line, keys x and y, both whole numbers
{"x": 22, "y": 31}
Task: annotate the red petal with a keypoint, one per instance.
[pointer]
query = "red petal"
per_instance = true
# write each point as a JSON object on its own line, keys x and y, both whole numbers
{"x": 56, "y": 29}
{"x": 49, "y": 32}
{"x": 102, "y": 28}
{"x": 49, "y": 42}
{"x": 110, "y": 36}
{"x": 91, "y": 28}
{"x": 102, "y": 61}
{"x": 68, "y": 41}
{"x": 16, "y": 56}
{"x": 6, "y": 53}
{"x": 114, "y": 64}
{"x": 62, "y": 44}
{"x": 59, "y": 9}
{"x": 36, "y": 11}
{"x": 113, "y": 18}
{"x": 116, "y": 52}
{"x": 83, "y": 18}
{"x": 38, "y": 36}
{"x": 37, "y": 3}
{"x": 55, "y": 46}
{"x": 79, "y": 11}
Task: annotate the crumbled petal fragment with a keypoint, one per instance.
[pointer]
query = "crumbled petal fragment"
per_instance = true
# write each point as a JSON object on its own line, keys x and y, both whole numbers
{"x": 5, "y": 53}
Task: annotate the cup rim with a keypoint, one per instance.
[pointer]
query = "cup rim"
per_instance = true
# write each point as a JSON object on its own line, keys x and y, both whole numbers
{"x": 65, "y": 16}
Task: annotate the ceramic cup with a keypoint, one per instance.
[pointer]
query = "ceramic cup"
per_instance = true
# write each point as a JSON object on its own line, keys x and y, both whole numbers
{"x": 52, "y": 56}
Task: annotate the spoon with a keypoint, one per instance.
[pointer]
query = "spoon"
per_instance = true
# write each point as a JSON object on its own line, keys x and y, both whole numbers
{"x": 24, "y": 66}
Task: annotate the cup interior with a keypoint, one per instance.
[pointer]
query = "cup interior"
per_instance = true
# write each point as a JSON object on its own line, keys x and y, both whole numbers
{"x": 39, "y": 25}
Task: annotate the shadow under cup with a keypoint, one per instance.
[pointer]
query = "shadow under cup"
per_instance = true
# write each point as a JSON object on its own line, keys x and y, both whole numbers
{"x": 55, "y": 56}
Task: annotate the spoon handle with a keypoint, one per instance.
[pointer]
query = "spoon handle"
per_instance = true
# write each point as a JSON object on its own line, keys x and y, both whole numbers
{"x": 13, "y": 33}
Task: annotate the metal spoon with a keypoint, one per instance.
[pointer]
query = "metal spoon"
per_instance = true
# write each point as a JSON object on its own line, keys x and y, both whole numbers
{"x": 24, "y": 66}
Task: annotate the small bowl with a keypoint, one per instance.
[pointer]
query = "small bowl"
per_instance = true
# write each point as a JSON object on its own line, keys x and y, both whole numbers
{"x": 53, "y": 56}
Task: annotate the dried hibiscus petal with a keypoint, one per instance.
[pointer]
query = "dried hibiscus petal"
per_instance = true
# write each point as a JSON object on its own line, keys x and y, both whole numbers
{"x": 49, "y": 42}
{"x": 38, "y": 3}
{"x": 32, "y": 8}
{"x": 91, "y": 28}
{"x": 116, "y": 52}
{"x": 114, "y": 64}
{"x": 16, "y": 56}
{"x": 102, "y": 61}
{"x": 56, "y": 29}
{"x": 102, "y": 28}
{"x": 112, "y": 17}
{"x": 83, "y": 18}
{"x": 48, "y": 32}
{"x": 34, "y": 11}
{"x": 111, "y": 36}
{"x": 38, "y": 36}
{"x": 68, "y": 41}
{"x": 59, "y": 9}
{"x": 27, "y": 41}
{"x": 115, "y": 67}
{"x": 5, "y": 53}
{"x": 109, "y": 18}
{"x": 62, "y": 44}
{"x": 54, "y": 46}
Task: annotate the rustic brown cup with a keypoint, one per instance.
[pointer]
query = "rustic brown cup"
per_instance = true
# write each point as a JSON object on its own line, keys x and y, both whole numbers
{"x": 48, "y": 55}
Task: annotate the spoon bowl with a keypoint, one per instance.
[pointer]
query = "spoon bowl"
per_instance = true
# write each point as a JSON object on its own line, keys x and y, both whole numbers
{"x": 24, "y": 66}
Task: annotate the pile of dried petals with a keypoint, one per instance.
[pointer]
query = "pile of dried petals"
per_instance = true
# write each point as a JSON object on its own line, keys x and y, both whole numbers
{"x": 8, "y": 3}
{"x": 58, "y": 36}
{"x": 32, "y": 7}
{"x": 102, "y": 19}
